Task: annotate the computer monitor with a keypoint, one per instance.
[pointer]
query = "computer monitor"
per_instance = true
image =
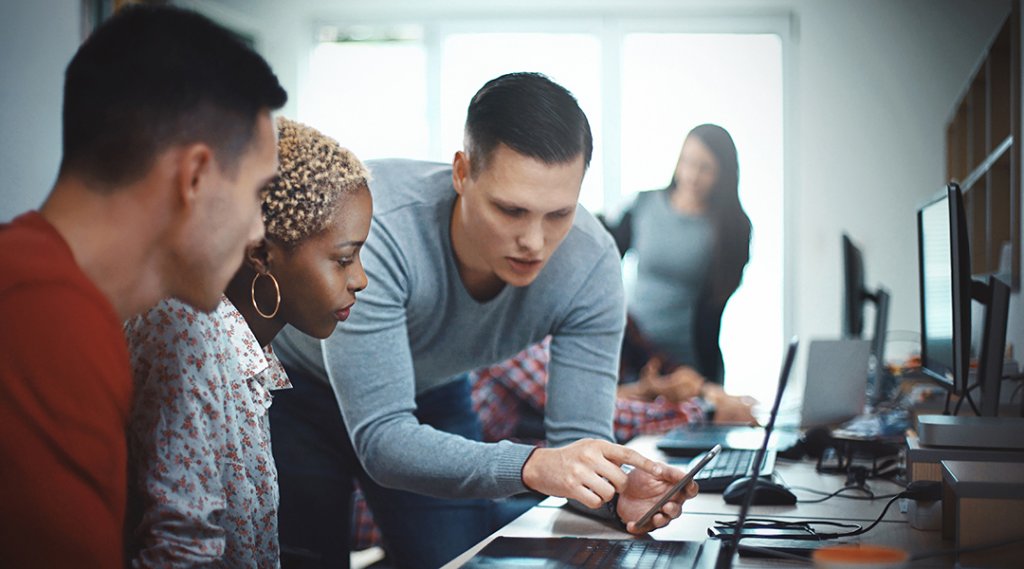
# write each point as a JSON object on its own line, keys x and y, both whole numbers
{"x": 855, "y": 296}
{"x": 853, "y": 289}
{"x": 947, "y": 288}
{"x": 943, "y": 352}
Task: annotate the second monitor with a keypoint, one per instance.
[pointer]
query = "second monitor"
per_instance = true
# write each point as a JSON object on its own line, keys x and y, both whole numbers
{"x": 855, "y": 296}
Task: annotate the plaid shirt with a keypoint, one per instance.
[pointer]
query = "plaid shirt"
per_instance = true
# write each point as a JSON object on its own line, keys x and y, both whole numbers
{"x": 501, "y": 392}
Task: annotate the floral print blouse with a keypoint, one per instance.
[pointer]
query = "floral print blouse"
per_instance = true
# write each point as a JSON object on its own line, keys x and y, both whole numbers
{"x": 199, "y": 440}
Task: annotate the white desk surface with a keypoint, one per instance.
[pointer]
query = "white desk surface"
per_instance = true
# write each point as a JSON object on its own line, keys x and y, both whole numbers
{"x": 551, "y": 519}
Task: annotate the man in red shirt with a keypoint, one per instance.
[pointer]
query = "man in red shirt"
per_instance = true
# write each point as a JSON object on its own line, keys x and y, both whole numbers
{"x": 167, "y": 144}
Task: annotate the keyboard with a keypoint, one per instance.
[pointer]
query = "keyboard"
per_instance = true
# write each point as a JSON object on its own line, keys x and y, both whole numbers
{"x": 729, "y": 465}
{"x": 573, "y": 552}
{"x": 626, "y": 553}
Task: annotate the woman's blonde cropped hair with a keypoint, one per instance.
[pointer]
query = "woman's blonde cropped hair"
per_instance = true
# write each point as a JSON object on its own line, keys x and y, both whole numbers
{"x": 314, "y": 173}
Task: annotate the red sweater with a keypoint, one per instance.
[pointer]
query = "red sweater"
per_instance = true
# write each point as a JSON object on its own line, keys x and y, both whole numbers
{"x": 65, "y": 392}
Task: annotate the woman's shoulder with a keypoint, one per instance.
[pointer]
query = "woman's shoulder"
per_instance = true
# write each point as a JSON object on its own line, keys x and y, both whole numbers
{"x": 650, "y": 196}
{"x": 173, "y": 317}
{"x": 649, "y": 200}
{"x": 640, "y": 199}
{"x": 174, "y": 335}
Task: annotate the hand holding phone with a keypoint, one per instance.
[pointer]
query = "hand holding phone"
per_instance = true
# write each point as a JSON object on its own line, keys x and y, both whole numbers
{"x": 675, "y": 489}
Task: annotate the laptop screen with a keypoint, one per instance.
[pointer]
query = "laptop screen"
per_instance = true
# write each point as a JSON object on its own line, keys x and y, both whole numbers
{"x": 729, "y": 542}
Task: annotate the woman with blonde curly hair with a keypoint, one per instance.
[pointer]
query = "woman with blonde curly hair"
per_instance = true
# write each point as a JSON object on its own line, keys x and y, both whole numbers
{"x": 204, "y": 480}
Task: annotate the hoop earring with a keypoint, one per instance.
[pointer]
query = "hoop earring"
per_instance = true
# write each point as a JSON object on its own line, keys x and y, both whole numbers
{"x": 277, "y": 292}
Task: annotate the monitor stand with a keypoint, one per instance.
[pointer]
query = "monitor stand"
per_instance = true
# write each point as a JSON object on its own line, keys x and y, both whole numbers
{"x": 971, "y": 432}
{"x": 989, "y": 431}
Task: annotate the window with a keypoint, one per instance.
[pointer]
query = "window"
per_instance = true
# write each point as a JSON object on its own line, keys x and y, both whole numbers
{"x": 352, "y": 95}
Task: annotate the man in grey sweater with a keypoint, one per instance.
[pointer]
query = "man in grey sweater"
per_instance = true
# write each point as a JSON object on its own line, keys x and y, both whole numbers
{"x": 467, "y": 265}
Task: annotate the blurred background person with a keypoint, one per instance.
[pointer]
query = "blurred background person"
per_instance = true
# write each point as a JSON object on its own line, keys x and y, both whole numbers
{"x": 692, "y": 242}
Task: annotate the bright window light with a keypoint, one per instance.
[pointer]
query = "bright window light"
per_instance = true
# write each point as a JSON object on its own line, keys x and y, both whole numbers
{"x": 352, "y": 95}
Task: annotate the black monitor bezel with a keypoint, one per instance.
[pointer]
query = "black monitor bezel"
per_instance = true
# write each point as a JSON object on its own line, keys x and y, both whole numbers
{"x": 960, "y": 305}
{"x": 853, "y": 289}
{"x": 855, "y": 296}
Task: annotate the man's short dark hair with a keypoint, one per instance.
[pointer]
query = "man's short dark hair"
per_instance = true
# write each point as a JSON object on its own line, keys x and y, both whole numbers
{"x": 153, "y": 77}
{"x": 530, "y": 114}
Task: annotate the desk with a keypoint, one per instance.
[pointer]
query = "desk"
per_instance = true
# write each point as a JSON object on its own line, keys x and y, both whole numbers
{"x": 551, "y": 518}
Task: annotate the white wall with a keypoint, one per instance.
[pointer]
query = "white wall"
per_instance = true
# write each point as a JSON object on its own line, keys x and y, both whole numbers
{"x": 877, "y": 82}
{"x": 870, "y": 92}
{"x": 37, "y": 40}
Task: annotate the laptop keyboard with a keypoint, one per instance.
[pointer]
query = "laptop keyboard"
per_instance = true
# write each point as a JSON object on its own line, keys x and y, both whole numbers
{"x": 612, "y": 554}
{"x": 729, "y": 465}
{"x": 572, "y": 552}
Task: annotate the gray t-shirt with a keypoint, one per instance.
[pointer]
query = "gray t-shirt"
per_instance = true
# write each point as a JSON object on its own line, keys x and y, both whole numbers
{"x": 673, "y": 258}
{"x": 415, "y": 327}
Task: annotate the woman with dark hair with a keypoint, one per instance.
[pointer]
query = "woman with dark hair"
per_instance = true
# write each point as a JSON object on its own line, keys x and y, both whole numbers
{"x": 692, "y": 242}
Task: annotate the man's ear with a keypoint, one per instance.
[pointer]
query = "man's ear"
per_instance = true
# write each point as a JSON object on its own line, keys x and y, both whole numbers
{"x": 258, "y": 256}
{"x": 195, "y": 166}
{"x": 460, "y": 171}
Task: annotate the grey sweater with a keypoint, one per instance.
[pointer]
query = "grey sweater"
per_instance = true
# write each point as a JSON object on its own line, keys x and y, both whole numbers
{"x": 415, "y": 327}
{"x": 673, "y": 258}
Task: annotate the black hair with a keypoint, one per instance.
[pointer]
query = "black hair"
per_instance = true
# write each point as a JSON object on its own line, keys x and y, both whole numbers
{"x": 731, "y": 226}
{"x": 152, "y": 77}
{"x": 531, "y": 114}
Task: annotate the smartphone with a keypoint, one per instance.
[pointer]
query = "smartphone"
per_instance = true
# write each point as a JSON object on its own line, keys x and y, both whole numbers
{"x": 679, "y": 486}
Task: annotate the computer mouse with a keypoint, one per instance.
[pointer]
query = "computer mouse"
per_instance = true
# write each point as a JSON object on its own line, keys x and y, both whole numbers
{"x": 766, "y": 493}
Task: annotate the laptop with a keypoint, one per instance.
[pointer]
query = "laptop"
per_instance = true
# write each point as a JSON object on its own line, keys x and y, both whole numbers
{"x": 566, "y": 552}
{"x": 837, "y": 381}
{"x": 739, "y": 443}
{"x": 755, "y": 544}
{"x": 687, "y": 441}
